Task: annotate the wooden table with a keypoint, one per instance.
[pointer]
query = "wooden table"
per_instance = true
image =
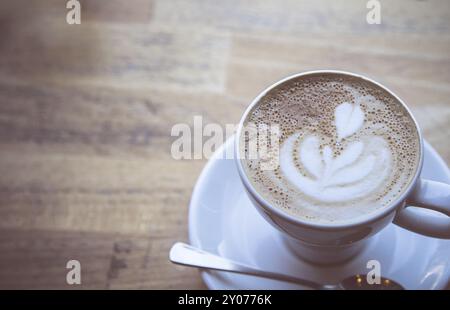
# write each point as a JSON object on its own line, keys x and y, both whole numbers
{"x": 86, "y": 113}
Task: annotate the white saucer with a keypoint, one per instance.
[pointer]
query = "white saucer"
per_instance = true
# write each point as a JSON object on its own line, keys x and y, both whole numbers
{"x": 222, "y": 220}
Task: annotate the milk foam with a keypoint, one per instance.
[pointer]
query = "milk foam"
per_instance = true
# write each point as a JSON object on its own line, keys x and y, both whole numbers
{"x": 359, "y": 170}
{"x": 347, "y": 148}
{"x": 348, "y": 119}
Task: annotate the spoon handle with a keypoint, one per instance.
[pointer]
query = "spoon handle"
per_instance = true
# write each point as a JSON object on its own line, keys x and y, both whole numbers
{"x": 187, "y": 255}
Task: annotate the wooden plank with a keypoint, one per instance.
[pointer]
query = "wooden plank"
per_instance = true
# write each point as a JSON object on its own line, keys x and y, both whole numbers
{"x": 37, "y": 259}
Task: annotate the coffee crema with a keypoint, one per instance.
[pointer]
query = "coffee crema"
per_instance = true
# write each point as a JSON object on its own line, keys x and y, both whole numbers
{"x": 347, "y": 148}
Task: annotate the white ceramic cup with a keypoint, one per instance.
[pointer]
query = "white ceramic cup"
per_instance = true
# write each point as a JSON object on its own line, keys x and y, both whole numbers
{"x": 332, "y": 243}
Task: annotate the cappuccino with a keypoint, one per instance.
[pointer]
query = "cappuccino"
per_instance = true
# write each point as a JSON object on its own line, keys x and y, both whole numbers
{"x": 346, "y": 148}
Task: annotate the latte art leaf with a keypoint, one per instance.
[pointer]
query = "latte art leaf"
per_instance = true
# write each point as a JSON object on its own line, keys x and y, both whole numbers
{"x": 348, "y": 119}
{"x": 310, "y": 153}
{"x": 357, "y": 171}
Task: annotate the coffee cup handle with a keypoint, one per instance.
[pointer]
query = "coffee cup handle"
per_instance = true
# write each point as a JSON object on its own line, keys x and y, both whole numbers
{"x": 429, "y": 195}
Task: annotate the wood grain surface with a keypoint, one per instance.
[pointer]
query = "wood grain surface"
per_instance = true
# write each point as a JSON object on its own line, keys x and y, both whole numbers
{"x": 86, "y": 113}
